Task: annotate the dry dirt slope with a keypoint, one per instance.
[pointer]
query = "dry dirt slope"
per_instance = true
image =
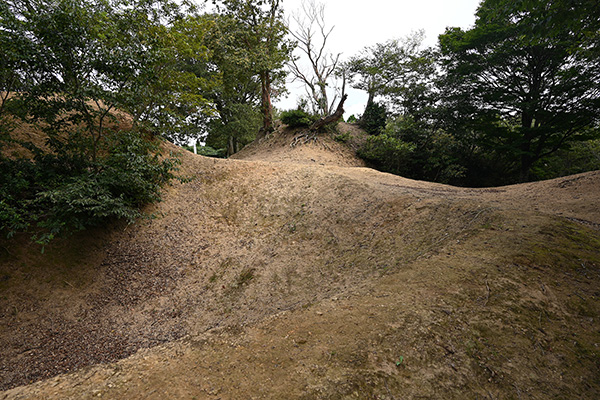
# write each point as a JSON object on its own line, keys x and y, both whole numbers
{"x": 279, "y": 280}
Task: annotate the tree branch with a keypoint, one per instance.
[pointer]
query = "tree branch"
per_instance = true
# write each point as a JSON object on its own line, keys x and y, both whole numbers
{"x": 339, "y": 112}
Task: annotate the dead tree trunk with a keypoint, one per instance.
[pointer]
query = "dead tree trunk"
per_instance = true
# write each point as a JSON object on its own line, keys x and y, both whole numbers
{"x": 329, "y": 119}
{"x": 313, "y": 130}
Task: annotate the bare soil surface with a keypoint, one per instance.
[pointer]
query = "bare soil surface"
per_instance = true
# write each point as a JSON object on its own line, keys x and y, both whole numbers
{"x": 295, "y": 272}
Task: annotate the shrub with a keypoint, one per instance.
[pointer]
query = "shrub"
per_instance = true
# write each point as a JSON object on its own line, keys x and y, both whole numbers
{"x": 374, "y": 118}
{"x": 436, "y": 156}
{"x": 208, "y": 151}
{"x": 297, "y": 118}
{"x": 64, "y": 191}
{"x": 386, "y": 152}
{"x": 342, "y": 137}
{"x": 577, "y": 158}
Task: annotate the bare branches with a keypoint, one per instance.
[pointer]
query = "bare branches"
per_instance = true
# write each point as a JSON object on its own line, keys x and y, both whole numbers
{"x": 312, "y": 35}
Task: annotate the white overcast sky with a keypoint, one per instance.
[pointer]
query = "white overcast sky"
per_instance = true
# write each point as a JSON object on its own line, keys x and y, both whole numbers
{"x": 364, "y": 23}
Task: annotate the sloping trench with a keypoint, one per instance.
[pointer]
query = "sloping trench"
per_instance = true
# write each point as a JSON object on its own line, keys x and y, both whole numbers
{"x": 243, "y": 244}
{"x": 238, "y": 243}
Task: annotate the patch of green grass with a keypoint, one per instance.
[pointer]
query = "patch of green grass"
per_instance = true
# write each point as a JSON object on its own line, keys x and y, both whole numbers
{"x": 342, "y": 137}
{"x": 245, "y": 276}
{"x": 224, "y": 265}
{"x": 566, "y": 243}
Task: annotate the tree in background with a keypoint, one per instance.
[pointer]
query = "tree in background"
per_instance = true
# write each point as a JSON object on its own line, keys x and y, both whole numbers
{"x": 403, "y": 76}
{"x": 398, "y": 71}
{"x": 261, "y": 30}
{"x": 579, "y": 157}
{"x": 374, "y": 118}
{"x": 166, "y": 90}
{"x": 236, "y": 96}
{"x": 311, "y": 35}
{"x": 497, "y": 100}
{"x": 525, "y": 78}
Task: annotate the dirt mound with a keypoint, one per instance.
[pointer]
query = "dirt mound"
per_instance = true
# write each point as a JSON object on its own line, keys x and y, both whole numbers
{"x": 29, "y": 133}
{"x": 276, "y": 279}
{"x": 281, "y": 146}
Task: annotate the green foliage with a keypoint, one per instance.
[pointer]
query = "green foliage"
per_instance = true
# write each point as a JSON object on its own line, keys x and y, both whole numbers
{"x": 342, "y": 137}
{"x": 525, "y": 77}
{"x": 63, "y": 191}
{"x": 69, "y": 65}
{"x": 169, "y": 90}
{"x": 352, "y": 119}
{"x": 297, "y": 118}
{"x": 15, "y": 185}
{"x": 397, "y": 70}
{"x": 76, "y": 61}
{"x": 237, "y": 127}
{"x": 258, "y": 41}
{"x": 236, "y": 60}
{"x": 579, "y": 157}
{"x": 506, "y": 101}
{"x": 374, "y": 118}
{"x": 386, "y": 152}
{"x": 438, "y": 156}
{"x": 415, "y": 149}
{"x": 208, "y": 151}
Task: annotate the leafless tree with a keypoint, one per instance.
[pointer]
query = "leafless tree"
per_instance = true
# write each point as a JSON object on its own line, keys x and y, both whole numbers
{"x": 312, "y": 34}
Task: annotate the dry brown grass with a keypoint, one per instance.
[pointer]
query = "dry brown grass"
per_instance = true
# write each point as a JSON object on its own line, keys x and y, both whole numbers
{"x": 275, "y": 279}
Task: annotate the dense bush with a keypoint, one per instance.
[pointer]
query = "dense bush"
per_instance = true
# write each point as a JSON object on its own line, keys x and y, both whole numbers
{"x": 208, "y": 151}
{"x": 373, "y": 119}
{"x": 63, "y": 190}
{"x": 387, "y": 153}
{"x": 297, "y": 118}
{"x": 342, "y": 137}
{"x": 416, "y": 150}
{"x": 67, "y": 67}
{"x": 236, "y": 127}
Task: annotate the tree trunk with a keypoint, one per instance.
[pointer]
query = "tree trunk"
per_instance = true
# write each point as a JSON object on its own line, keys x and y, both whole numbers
{"x": 232, "y": 146}
{"x": 371, "y": 98}
{"x": 266, "y": 106}
{"x": 526, "y": 163}
{"x": 330, "y": 118}
{"x": 526, "y": 157}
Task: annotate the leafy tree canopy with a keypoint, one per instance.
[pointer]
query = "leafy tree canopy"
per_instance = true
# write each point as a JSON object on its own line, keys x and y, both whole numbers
{"x": 398, "y": 70}
{"x": 261, "y": 45}
{"x": 527, "y": 76}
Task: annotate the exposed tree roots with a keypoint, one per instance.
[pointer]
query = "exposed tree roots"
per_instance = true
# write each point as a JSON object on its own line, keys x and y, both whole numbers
{"x": 305, "y": 137}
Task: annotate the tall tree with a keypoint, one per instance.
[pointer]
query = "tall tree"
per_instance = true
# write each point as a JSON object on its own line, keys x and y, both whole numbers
{"x": 397, "y": 70}
{"x": 165, "y": 48}
{"x": 261, "y": 27}
{"x": 237, "y": 96}
{"x": 526, "y": 76}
